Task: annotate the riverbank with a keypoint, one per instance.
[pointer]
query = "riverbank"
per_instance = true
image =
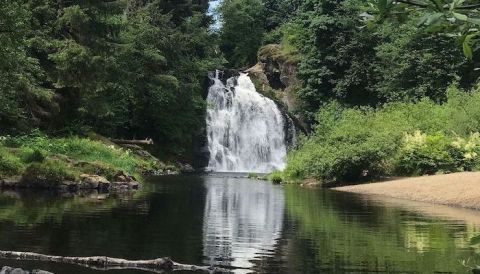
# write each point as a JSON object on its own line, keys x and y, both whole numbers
{"x": 75, "y": 163}
{"x": 456, "y": 189}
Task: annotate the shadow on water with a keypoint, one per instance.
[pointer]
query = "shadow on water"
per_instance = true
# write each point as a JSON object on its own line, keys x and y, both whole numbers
{"x": 245, "y": 225}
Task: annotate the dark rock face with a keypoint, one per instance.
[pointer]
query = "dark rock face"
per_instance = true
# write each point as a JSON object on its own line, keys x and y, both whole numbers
{"x": 121, "y": 180}
{"x": 277, "y": 72}
{"x": 11, "y": 270}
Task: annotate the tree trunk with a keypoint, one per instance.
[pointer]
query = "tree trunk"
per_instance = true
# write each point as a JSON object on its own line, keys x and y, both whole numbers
{"x": 105, "y": 263}
{"x": 132, "y": 142}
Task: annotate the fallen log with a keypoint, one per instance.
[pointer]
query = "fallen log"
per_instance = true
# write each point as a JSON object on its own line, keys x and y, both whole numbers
{"x": 147, "y": 141}
{"x": 159, "y": 265}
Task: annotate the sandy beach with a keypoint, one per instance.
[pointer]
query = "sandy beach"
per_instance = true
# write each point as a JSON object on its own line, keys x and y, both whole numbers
{"x": 457, "y": 189}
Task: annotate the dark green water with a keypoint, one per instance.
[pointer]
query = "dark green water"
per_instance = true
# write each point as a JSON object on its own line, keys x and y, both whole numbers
{"x": 250, "y": 226}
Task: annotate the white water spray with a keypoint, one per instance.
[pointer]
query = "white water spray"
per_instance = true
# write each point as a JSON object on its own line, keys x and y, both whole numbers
{"x": 246, "y": 130}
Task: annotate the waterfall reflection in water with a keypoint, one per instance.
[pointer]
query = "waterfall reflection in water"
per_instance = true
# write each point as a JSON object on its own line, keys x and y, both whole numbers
{"x": 243, "y": 220}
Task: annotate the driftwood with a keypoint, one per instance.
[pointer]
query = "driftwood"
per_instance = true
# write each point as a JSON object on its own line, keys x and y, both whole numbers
{"x": 147, "y": 141}
{"x": 106, "y": 263}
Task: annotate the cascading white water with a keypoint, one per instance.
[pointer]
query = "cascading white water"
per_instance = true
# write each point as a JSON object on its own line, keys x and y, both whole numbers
{"x": 246, "y": 130}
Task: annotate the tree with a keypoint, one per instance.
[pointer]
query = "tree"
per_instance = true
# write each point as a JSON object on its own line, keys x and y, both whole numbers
{"x": 342, "y": 59}
{"x": 243, "y": 27}
{"x": 454, "y": 18}
{"x": 23, "y": 101}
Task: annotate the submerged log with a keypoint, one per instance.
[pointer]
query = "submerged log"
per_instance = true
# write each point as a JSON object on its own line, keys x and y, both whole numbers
{"x": 106, "y": 263}
{"x": 147, "y": 141}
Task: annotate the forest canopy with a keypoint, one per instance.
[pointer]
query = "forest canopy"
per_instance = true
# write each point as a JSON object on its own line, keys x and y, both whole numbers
{"x": 131, "y": 69}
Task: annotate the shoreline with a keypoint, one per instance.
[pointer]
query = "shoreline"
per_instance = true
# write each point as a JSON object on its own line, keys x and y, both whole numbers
{"x": 456, "y": 189}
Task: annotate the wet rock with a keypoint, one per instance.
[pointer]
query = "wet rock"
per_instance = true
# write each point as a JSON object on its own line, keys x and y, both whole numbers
{"x": 125, "y": 186}
{"x": 10, "y": 182}
{"x": 68, "y": 186}
{"x": 93, "y": 182}
{"x": 186, "y": 168}
{"x": 11, "y": 270}
{"x": 171, "y": 172}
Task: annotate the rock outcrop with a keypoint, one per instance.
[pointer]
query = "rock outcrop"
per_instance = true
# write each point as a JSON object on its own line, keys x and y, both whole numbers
{"x": 275, "y": 76}
{"x": 120, "y": 182}
{"x": 11, "y": 270}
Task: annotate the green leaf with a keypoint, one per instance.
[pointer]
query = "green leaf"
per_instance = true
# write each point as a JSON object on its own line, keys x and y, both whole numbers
{"x": 475, "y": 240}
{"x": 434, "y": 18}
{"x": 475, "y": 21}
{"x": 467, "y": 46}
{"x": 459, "y": 16}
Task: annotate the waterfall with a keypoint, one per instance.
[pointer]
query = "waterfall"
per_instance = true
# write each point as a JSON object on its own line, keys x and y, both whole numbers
{"x": 246, "y": 131}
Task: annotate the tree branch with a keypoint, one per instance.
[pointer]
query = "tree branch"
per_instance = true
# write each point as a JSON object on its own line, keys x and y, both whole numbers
{"x": 422, "y": 5}
{"x": 105, "y": 263}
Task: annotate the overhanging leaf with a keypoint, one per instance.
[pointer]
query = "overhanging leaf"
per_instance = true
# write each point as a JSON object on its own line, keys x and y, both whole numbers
{"x": 459, "y": 16}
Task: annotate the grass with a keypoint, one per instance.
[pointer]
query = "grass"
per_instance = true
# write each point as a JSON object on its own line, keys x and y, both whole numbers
{"x": 38, "y": 156}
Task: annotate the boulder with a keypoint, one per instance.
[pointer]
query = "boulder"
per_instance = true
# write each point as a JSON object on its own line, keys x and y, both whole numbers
{"x": 125, "y": 186}
{"x": 186, "y": 168}
{"x": 10, "y": 182}
{"x": 11, "y": 270}
{"x": 93, "y": 182}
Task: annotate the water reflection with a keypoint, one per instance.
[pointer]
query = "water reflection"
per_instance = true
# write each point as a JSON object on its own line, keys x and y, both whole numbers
{"x": 350, "y": 233}
{"x": 248, "y": 225}
{"x": 243, "y": 220}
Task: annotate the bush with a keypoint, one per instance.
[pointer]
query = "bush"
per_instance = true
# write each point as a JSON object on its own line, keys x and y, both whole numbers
{"x": 49, "y": 174}
{"x": 351, "y": 145}
{"x": 275, "y": 177}
{"x": 252, "y": 176}
{"x": 9, "y": 164}
{"x": 32, "y": 155}
{"x": 425, "y": 154}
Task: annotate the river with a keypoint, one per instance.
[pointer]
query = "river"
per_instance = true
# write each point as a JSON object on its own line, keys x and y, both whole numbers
{"x": 244, "y": 225}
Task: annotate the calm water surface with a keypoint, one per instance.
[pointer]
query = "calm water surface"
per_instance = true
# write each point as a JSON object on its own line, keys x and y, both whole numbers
{"x": 244, "y": 225}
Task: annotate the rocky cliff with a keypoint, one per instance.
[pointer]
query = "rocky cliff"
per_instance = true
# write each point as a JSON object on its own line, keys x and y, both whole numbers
{"x": 275, "y": 76}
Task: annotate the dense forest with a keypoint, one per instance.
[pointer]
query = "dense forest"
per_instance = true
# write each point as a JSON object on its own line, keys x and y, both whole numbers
{"x": 130, "y": 69}
{"x": 377, "y": 77}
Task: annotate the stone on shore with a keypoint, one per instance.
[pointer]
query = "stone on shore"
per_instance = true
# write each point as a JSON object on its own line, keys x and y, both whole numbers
{"x": 93, "y": 182}
{"x": 11, "y": 270}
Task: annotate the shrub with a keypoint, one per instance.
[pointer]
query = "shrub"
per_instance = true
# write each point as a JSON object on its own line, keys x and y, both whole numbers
{"x": 397, "y": 139}
{"x": 252, "y": 176}
{"x": 32, "y": 155}
{"x": 425, "y": 154}
{"x": 275, "y": 177}
{"x": 9, "y": 164}
{"x": 49, "y": 174}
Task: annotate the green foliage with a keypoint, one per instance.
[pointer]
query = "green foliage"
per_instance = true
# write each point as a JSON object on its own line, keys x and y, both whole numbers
{"x": 252, "y": 176}
{"x": 127, "y": 69}
{"x": 454, "y": 18}
{"x": 50, "y": 173}
{"x": 428, "y": 154}
{"x": 275, "y": 177}
{"x": 23, "y": 101}
{"x": 398, "y": 139}
{"x": 98, "y": 168}
{"x": 425, "y": 154}
{"x": 29, "y": 155}
{"x": 344, "y": 57}
{"x": 86, "y": 150}
{"x": 10, "y": 165}
{"x": 74, "y": 154}
{"x": 242, "y": 30}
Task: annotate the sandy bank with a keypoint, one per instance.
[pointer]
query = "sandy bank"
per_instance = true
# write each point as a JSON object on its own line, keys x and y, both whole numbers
{"x": 458, "y": 189}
